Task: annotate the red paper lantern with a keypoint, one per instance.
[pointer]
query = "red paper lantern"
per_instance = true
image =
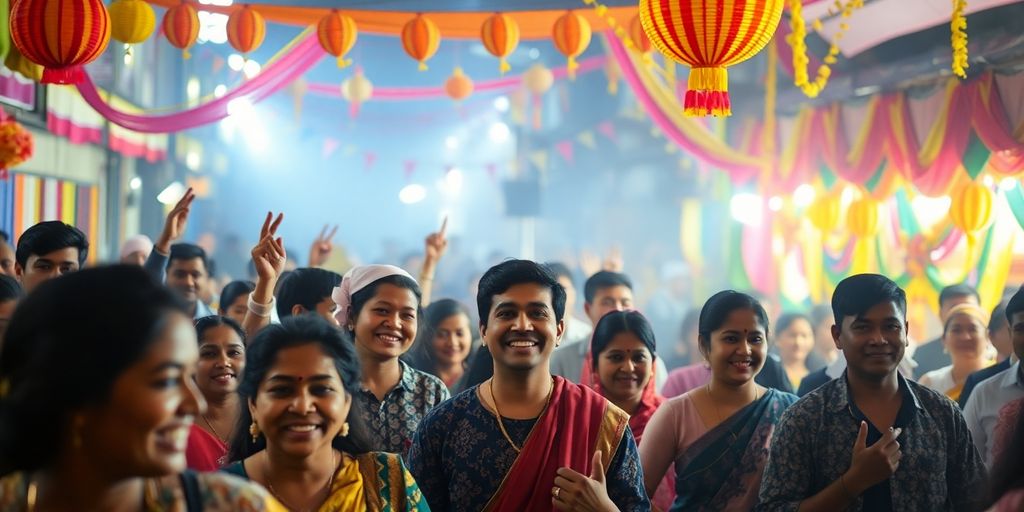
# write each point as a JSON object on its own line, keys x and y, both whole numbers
{"x": 181, "y": 26}
{"x": 337, "y": 34}
{"x": 40, "y": 30}
{"x": 246, "y": 29}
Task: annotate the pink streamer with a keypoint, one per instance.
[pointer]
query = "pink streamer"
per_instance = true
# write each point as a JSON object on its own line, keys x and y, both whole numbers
{"x": 947, "y": 246}
{"x": 272, "y": 79}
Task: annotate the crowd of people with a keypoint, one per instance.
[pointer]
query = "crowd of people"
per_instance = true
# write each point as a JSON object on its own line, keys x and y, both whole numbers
{"x": 123, "y": 388}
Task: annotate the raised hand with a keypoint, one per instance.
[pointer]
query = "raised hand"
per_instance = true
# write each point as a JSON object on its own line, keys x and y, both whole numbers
{"x": 175, "y": 223}
{"x": 613, "y": 261}
{"x": 578, "y": 492}
{"x": 269, "y": 255}
{"x": 322, "y": 246}
{"x": 436, "y": 244}
{"x": 870, "y": 466}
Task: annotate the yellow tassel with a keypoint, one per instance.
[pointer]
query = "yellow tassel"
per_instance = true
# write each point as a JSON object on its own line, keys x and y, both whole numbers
{"x": 503, "y": 66}
{"x": 185, "y": 54}
{"x": 571, "y": 68}
{"x": 343, "y": 62}
{"x": 708, "y": 79}
{"x": 423, "y": 66}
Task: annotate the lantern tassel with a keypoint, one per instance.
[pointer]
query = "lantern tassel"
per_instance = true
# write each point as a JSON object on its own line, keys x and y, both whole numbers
{"x": 423, "y": 65}
{"x": 343, "y": 62}
{"x": 708, "y": 93}
{"x": 62, "y": 76}
{"x": 571, "y": 67}
{"x": 503, "y": 66}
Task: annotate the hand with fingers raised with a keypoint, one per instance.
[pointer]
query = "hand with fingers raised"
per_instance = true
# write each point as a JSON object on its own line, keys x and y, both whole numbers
{"x": 436, "y": 244}
{"x": 578, "y": 492}
{"x": 269, "y": 255}
{"x": 872, "y": 465}
{"x": 175, "y": 223}
{"x": 322, "y": 246}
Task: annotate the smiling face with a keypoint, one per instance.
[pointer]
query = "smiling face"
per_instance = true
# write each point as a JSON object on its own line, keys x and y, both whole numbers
{"x": 965, "y": 337}
{"x": 624, "y": 367}
{"x": 737, "y": 349}
{"x": 606, "y": 300}
{"x": 187, "y": 278}
{"x": 386, "y": 325}
{"x": 452, "y": 340}
{"x": 301, "y": 402}
{"x": 521, "y": 330}
{"x": 874, "y": 342}
{"x": 221, "y": 361}
{"x": 143, "y": 428}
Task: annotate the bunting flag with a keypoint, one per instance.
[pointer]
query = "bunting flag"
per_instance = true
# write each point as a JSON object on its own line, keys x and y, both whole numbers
{"x": 539, "y": 159}
{"x": 27, "y": 200}
{"x": 330, "y": 146}
{"x": 408, "y": 168}
{"x": 607, "y": 128}
{"x": 369, "y": 159}
{"x": 587, "y": 140}
{"x": 564, "y": 148}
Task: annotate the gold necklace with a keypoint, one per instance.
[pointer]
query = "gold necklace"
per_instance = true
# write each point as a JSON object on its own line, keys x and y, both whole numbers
{"x": 330, "y": 480}
{"x": 501, "y": 424}
{"x": 718, "y": 413}
{"x": 150, "y": 488}
{"x": 215, "y": 433}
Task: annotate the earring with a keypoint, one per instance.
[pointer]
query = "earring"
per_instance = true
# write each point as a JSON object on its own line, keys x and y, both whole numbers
{"x": 254, "y": 431}
{"x": 707, "y": 364}
{"x": 344, "y": 430}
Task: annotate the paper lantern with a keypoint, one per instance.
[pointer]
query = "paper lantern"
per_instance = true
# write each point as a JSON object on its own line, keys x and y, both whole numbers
{"x": 131, "y": 21}
{"x": 638, "y": 37}
{"x": 16, "y": 145}
{"x": 39, "y": 28}
{"x": 971, "y": 207}
{"x": 500, "y": 35}
{"x": 337, "y": 34}
{"x": 246, "y": 29}
{"x": 824, "y": 212}
{"x": 420, "y": 39}
{"x": 571, "y": 35}
{"x": 181, "y": 27}
{"x": 862, "y": 217}
{"x": 356, "y": 90}
{"x": 684, "y": 31}
{"x": 459, "y": 86}
{"x": 15, "y": 61}
{"x": 5, "y": 28}
{"x": 538, "y": 79}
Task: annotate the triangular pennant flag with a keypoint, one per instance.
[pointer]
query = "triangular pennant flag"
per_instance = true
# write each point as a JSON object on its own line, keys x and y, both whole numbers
{"x": 539, "y": 159}
{"x": 587, "y": 139}
{"x": 370, "y": 158}
{"x": 564, "y": 148}
{"x": 607, "y": 128}
{"x": 330, "y": 146}
{"x": 409, "y": 167}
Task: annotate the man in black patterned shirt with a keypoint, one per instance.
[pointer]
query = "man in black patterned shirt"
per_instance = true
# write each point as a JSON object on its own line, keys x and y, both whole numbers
{"x": 871, "y": 439}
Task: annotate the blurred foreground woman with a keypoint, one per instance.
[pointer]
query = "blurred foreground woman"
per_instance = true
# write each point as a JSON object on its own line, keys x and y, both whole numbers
{"x": 97, "y": 403}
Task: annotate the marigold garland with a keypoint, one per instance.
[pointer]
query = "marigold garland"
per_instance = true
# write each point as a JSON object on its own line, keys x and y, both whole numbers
{"x": 958, "y": 38}
{"x": 797, "y": 40}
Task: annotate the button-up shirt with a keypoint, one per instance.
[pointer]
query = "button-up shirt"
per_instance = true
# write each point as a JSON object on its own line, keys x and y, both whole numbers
{"x": 813, "y": 444}
{"x": 984, "y": 409}
{"x": 393, "y": 421}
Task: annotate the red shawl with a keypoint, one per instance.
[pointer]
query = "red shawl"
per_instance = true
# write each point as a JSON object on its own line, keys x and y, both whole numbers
{"x": 649, "y": 402}
{"x": 577, "y": 423}
{"x": 204, "y": 451}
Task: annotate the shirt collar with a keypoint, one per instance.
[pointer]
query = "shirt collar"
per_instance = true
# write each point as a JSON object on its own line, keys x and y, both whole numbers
{"x": 840, "y": 399}
{"x": 408, "y": 379}
{"x": 1012, "y": 377}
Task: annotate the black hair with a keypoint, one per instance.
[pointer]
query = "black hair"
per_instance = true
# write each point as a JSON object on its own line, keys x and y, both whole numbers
{"x": 690, "y": 320}
{"x": 617, "y": 322}
{"x": 820, "y": 313}
{"x": 9, "y": 288}
{"x": 211, "y": 267}
{"x": 717, "y": 309}
{"x": 4, "y": 237}
{"x": 855, "y": 295}
{"x": 260, "y": 356}
{"x": 46, "y": 237}
{"x": 305, "y": 287}
{"x": 1008, "y": 471}
{"x": 997, "y": 320}
{"x": 958, "y": 290}
{"x": 560, "y": 269}
{"x": 52, "y": 369}
{"x": 1015, "y": 305}
{"x": 209, "y": 322}
{"x": 604, "y": 279}
{"x": 360, "y": 298}
{"x": 499, "y": 278}
{"x": 232, "y": 291}
{"x": 185, "y": 251}
{"x": 421, "y": 356}
{"x": 788, "y": 319}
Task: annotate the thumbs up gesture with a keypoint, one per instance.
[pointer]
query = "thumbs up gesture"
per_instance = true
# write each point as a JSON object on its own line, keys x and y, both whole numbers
{"x": 874, "y": 464}
{"x": 578, "y": 492}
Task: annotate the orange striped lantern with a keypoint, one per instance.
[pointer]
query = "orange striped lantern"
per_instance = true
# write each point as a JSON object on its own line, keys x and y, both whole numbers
{"x": 571, "y": 35}
{"x": 131, "y": 21}
{"x": 638, "y": 37}
{"x": 500, "y": 35}
{"x": 709, "y": 36}
{"x": 337, "y": 34}
{"x": 458, "y": 86}
{"x": 420, "y": 39}
{"x": 862, "y": 217}
{"x": 60, "y": 35}
{"x": 246, "y": 29}
{"x": 181, "y": 26}
{"x": 971, "y": 208}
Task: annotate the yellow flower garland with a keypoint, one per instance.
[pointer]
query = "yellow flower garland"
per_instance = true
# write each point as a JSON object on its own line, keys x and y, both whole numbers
{"x": 958, "y": 38}
{"x": 796, "y": 40}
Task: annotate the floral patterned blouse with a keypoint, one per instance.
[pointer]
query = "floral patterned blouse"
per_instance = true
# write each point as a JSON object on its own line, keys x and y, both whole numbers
{"x": 393, "y": 421}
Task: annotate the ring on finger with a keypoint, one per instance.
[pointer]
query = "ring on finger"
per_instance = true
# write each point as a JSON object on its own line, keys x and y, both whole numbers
{"x": 555, "y": 492}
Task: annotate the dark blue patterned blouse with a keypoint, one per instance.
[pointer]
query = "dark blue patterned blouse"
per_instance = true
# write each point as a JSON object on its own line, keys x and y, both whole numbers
{"x": 392, "y": 421}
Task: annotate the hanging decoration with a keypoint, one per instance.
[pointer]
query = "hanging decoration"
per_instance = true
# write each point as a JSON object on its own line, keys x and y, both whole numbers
{"x": 500, "y": 36}
{"x": 538, "y": 80}
{"x": 131, "y": 21}
{"x": 638, "y": 37}
{"x": 356, "y": 90}
{"x": 971, "y": 209}
{"x": 862, "y": 217}
{"x": 16, "y": 145}
{"x": 571, "y": 35}
{"x": 181, "y": 27}
{"x": 825, "y": 212}
{"x": 38, "y": 29}
{"x": 679, "y": 30}
{"x": 958, "y": 38}
{"x": 797, "y": 40}
{"x": 420, "y": 39}
{"x": 17, "y": 62}
{"x": 337, "y": 34}
{"x": 458, "y": 86}
{"x": 246, "y": 30}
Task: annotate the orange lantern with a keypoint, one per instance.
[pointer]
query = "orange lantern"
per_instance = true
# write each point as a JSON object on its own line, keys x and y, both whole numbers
{"x": 60, "y": 35}
{"x": 638, "y": 37}
{"x": 337, "y": 34}
{"x": 181, "y": 26}
{"x": 683, "y": 31}
{"x": 862, "y": 217}
{"x": 571, "y": 35}
{"x": 538, "y": 79}
{"x": 16, "y": 145}
{"x": 131, "y": 21}
{"x": 420, "y": 39}
{"x": 500, "y": 35}
{"x": 459, "y": 86}
{"x": 824, "y": 212}
{"x": 246, "y": 29}
{"x": 971, "y": 207}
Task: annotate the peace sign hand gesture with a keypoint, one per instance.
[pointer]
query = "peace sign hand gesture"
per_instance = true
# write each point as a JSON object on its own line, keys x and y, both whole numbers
{"x": 175, "y": 223}
{"x": 269, "y": 255}
{"x": 322, "y": 246}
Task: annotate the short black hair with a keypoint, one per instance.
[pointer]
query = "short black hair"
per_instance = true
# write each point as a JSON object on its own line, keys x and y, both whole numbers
{"x": 232, "y": 291}
{"x": 616, "y": 322}
{"x": 560, "y": 270}
{"x": 209, "y": 322}
{"x": 717, "y": 309}
{"x": 10, "y": 289}
{"x": 1015, "y": 304}
{"x": 499, "y": 278}
{"x": 820, "y": 313}
{"x": 305, "y": 287}
{"x": 785, "y": 320}
{"x": 184, "y": 251}
{"x": 958, "y": 290}
{"x": 855, "y": 295}
{"x": 604, "y": 279}
{"x": 46, "y": 237}
{"x": 997, "y": 320}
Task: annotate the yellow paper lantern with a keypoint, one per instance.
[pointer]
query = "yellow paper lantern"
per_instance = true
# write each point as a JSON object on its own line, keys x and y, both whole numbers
{"x": 131, "y": 21}
{"x": 17, "y": 62}
{"x": 971, "y": 207}
{"x": 825, "y": 212}
{"x": 459, "y": 86}
{"x": 862, "y": 217}
{"x": 357, "y": 89}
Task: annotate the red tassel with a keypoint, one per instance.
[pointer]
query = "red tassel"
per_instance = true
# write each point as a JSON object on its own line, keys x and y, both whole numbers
{"x": 63, "y": 76}
{"x": 705, "y": 103}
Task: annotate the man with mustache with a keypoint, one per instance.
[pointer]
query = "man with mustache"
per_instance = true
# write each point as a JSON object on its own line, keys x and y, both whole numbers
{"x": 523, "y": 439}
{"x": 872, "y": 439}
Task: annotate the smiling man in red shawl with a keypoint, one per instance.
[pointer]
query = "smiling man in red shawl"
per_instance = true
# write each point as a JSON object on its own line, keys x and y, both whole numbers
{"x": 524, "y": 440}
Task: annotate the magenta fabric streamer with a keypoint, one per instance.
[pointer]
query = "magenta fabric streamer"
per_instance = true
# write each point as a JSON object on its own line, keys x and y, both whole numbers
{"x": 270, "y": 80}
